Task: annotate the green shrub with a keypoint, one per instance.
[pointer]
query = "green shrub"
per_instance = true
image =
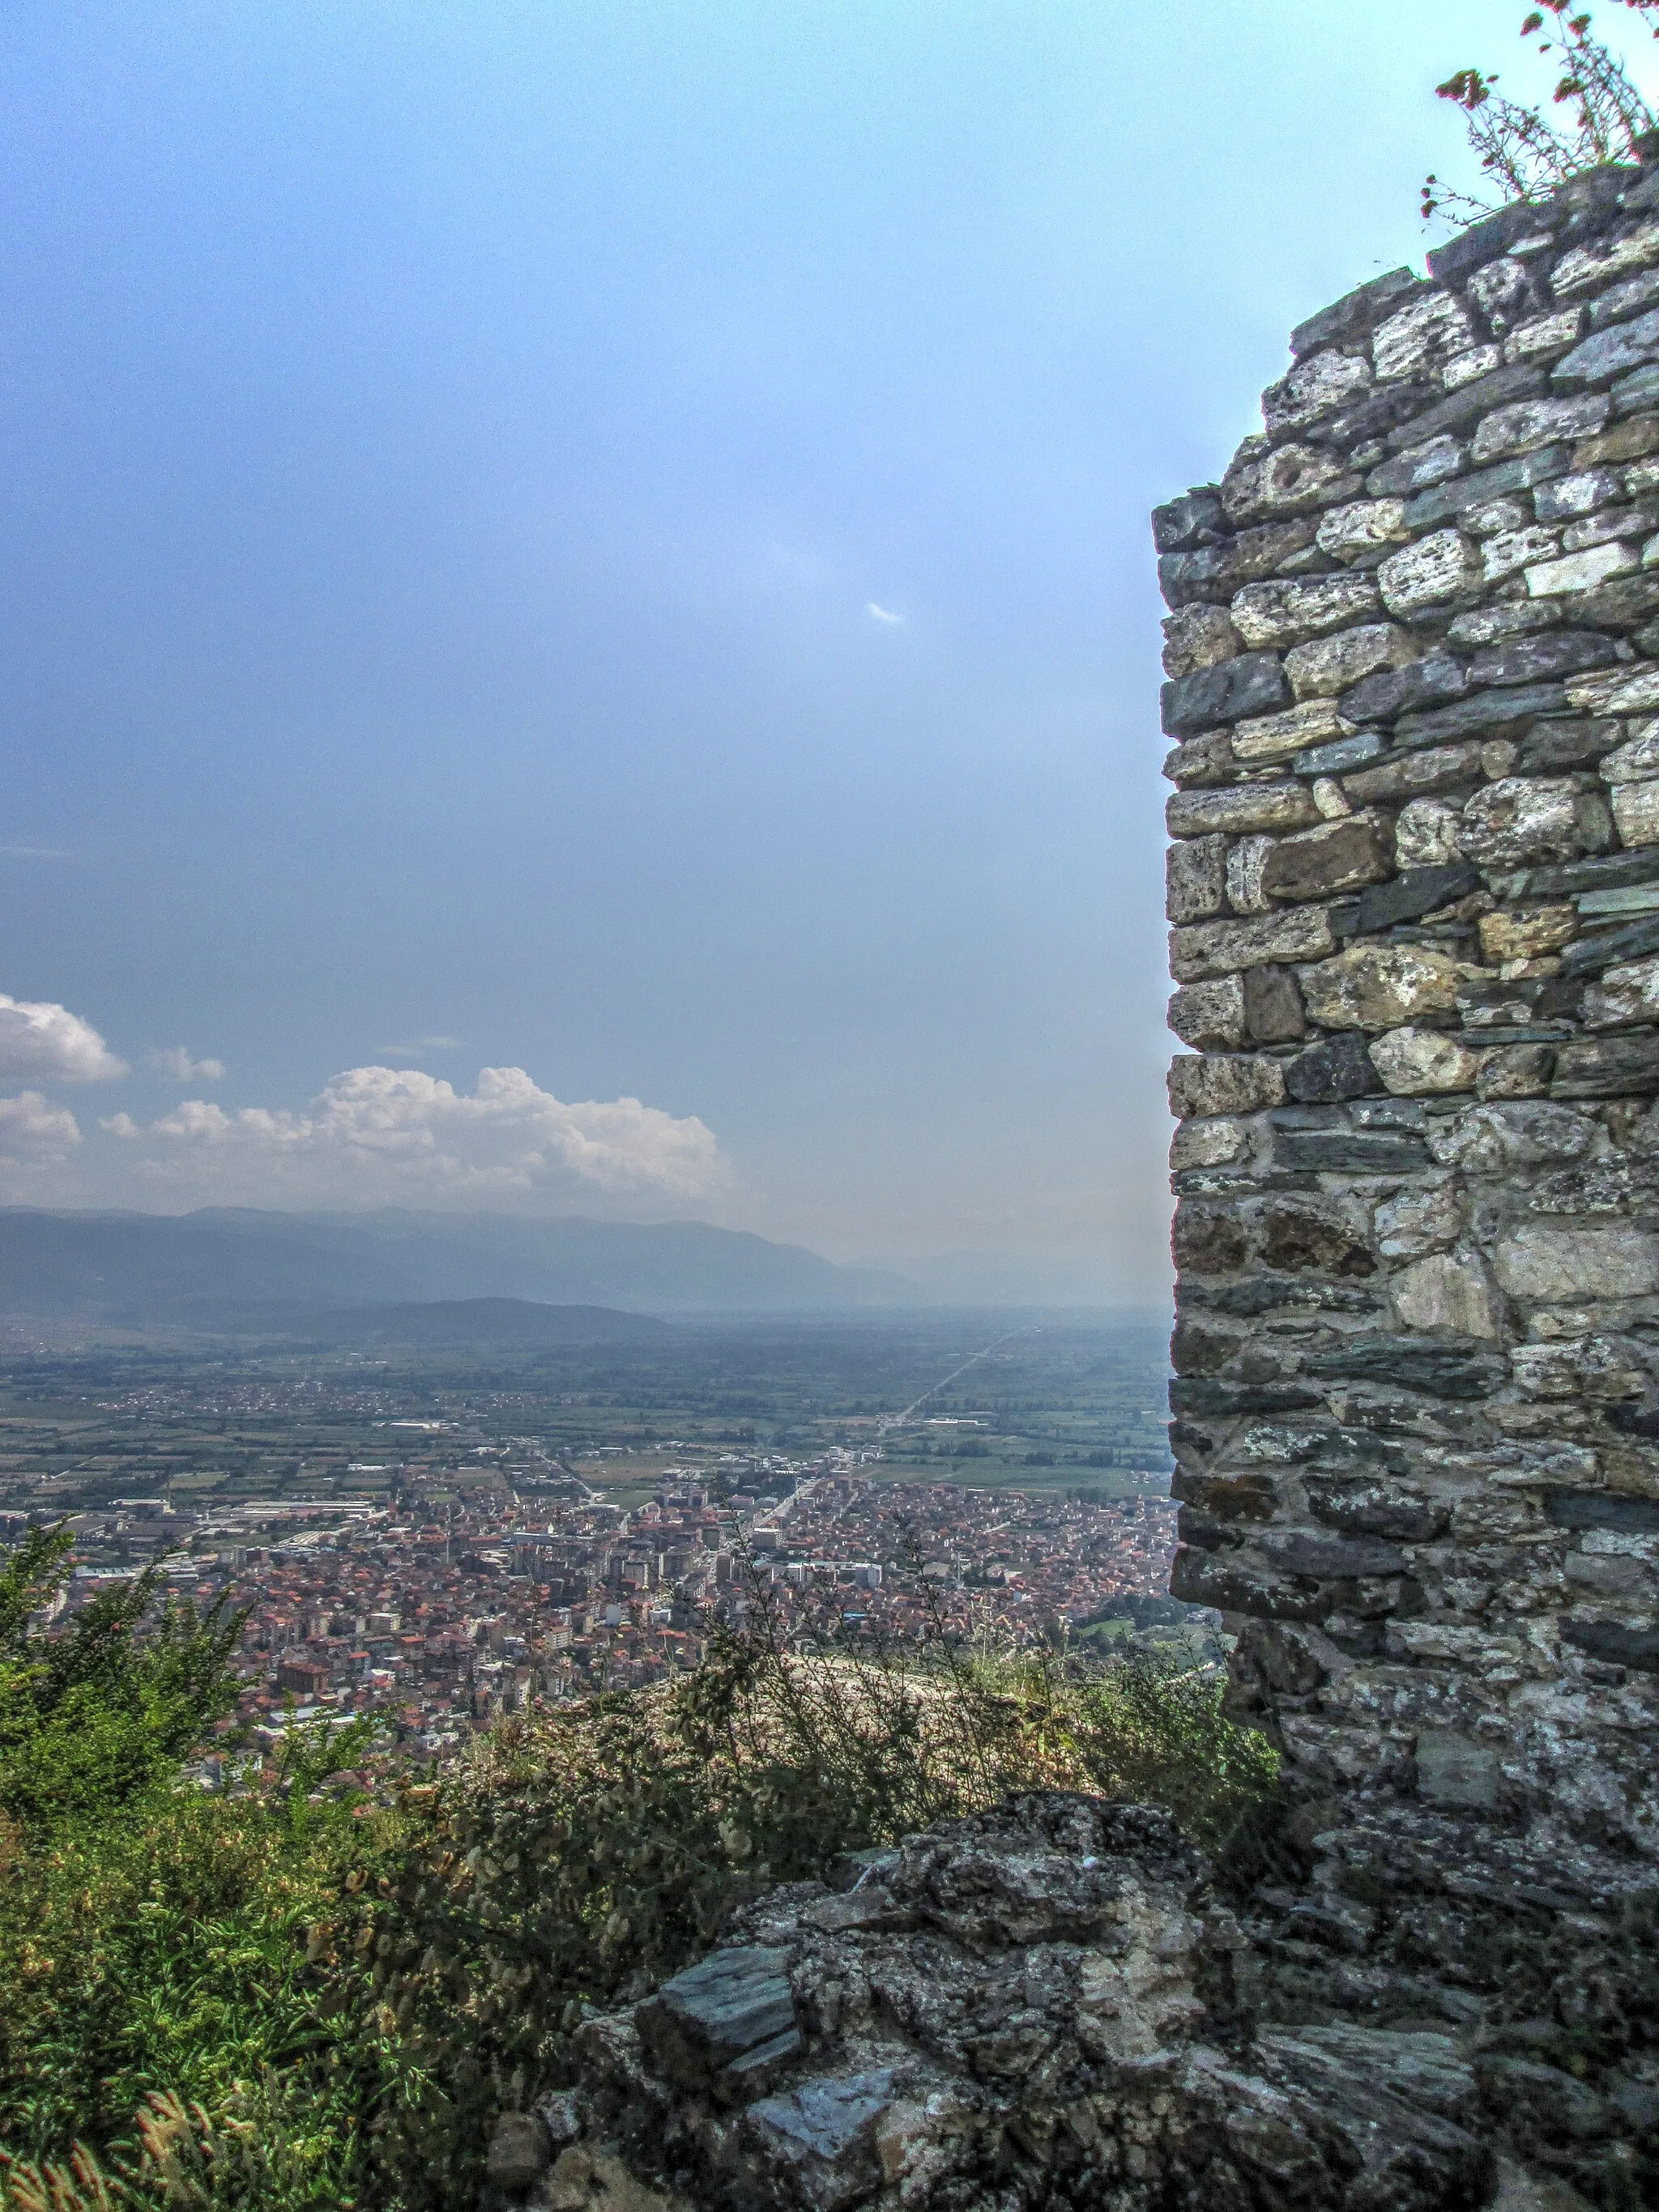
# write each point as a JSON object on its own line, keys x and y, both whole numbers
{"x": 153, "y": 1939}
{"x": 94, "y": 1716}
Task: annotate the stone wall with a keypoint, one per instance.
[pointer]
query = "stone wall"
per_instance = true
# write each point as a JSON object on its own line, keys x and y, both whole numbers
{"x": 1413, "y": 695}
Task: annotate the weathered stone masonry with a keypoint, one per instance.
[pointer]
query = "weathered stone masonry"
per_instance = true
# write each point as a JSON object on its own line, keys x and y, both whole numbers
{"x": 1413, "y": 664}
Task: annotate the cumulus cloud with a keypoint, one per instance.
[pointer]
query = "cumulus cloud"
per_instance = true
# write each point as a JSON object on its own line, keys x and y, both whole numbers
{"x": 883, "y": 614}
{"x": 45, "y": 1041}
{"x": 35, "y": 1134}
{"x": 174, "y": 1059}
{"x": 389, "y": 1135}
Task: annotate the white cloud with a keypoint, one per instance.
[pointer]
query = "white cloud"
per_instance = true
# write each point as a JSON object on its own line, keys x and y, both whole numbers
{"x": 174, "y": 1059}
{"x": 35, "y": 1133}
{"x": 382, "y": 1134}
{"x": 883, "y": 614}
{"x": 41, "y": 1039}
{"x": 34, "y": 852}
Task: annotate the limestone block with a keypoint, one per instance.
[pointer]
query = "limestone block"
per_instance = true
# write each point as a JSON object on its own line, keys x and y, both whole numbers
{"x": 1336, "y": 1069}
{"x": 1315, "y": 387}
{"x": 1210, "y": 1016}
{"x": 1496, "y": 518}
{"x": 1609, "y": 353}
{"x": 1423, "y": 1218}
{"x": 1199, "y": 637}
{"x": 1214, "y": 572}
{"x": 1239, "y": 809}
{"x": 1293, "y": 480}
{"x": 1498, "y": 1138}
{"x": 1218, "y": 1143}
{"x": 1273, "y": 1012}
{"x": 1607, "y": 1068}
{"x": 1623, "y": 996}
{"x": 1635, "y": 812}
{"x": 1429, "y": 682}
{"x": 1327, "y": 666}
{"x": 1338, "y": 856}
{"x": 1220, "y": 948}
{"x": 1529, "y": 423}
{"x": 1582, "y": 572}
{"x": 1195, "y": 875}
{"x": 1569, "y": 498}
{"x": 1587, "y": 268}
{"x": 1379, "y": 986}
{"x": 1430, "y": 461}
{"x": 1222, "y": 691}
{"x": 1421, "y": 339}
{"x": 1361, "y": 526}
{"x": 1208, "y": 1240}
{"x": 1305, "y": 1237}
{"x": 1245, "y": 863}
{"x": 1544, "y": 338}
{"x": 1630, "y": 441}
{"x": 1284, "y": 613}
{"x": 1606, "y": 1369}
{"x": 1521, "y": 818}
{"x": 1553, "y": 1265}
{"x": 1636, "y": 760}
{"x": 1414, "y": 1062}
{"x": 1183, "y": 520}
{"x": 1526, "y": 932}
{"x": 1516, "y": 1071}
{"x": 1223, "y": 1085}
{"x": 1415, "y": 774}
{"x": 1276, "y": 737}
{"x": 1501, "y": 291}
{"x": 1428, "y": 834}
{"x": 1468, "y": 368}
{"x": 1509, "y": 551}
{"x": 1633, "y": 689}
{"x": 1627, "y": 520}
{"x": 1208, "y": 759}
{"x": 1445, "y": 1293}
{"x": 1439, "y": 569}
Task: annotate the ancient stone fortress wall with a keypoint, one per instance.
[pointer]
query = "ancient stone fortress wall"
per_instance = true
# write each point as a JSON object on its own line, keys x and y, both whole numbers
{"x": 1414, "y": 694}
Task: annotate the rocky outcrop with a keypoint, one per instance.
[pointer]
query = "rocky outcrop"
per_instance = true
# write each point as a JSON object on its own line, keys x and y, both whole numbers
{"x": 1037, "y": 2007}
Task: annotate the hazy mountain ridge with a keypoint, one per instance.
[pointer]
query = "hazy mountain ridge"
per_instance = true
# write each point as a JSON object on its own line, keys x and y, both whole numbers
{"x": 199, "y": 1268}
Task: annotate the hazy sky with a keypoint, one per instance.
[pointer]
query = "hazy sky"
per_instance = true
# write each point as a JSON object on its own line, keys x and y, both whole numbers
{"x": 605, "y": 543}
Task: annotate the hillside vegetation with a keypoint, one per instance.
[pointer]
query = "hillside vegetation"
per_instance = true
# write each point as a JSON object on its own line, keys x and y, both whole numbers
{"x": 298, "y": 1998}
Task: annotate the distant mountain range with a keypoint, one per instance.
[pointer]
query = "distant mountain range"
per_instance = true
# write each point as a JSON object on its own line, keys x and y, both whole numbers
{"x": 235, "y": 1269}
{"x": 464, "y": 1322}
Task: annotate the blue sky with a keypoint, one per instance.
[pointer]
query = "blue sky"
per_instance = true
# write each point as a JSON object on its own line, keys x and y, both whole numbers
{"x": 609, "y": 541}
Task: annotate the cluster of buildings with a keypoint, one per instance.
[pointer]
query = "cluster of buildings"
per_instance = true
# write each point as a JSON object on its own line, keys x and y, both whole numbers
{"x": 445, "y": 1605}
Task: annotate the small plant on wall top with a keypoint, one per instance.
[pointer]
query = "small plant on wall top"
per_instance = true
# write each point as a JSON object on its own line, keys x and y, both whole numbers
{"x": 1594, "y": 114}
